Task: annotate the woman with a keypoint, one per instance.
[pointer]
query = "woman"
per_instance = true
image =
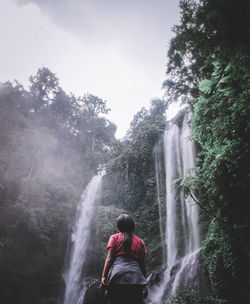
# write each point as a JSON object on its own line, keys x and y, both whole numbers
{"x": 124, "y": 269}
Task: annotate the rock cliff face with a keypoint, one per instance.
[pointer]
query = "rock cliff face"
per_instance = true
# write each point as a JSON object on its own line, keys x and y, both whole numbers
{"x": 95, "y": 295}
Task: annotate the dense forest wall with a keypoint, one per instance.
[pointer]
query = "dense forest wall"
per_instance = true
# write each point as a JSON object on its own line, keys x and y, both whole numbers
{"x": 130, "y": 180}
{"x": 51, "y": 146}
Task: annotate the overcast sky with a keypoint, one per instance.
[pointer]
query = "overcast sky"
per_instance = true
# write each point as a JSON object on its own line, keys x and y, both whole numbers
{"x": 115, "y": 49}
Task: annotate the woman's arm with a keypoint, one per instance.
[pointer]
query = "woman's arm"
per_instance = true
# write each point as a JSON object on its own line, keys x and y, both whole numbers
{"x": 108, "y": 264}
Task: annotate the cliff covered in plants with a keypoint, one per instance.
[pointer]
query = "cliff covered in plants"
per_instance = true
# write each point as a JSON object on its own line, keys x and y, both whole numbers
{"x": 209, "y": 68}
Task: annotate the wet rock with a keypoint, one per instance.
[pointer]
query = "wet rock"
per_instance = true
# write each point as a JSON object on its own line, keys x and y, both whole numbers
{"x": 94, "y": 294}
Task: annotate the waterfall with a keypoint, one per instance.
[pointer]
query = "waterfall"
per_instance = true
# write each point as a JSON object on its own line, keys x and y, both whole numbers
{"x": 182, "y": 229}
{"x": 75, "y": 288}
{"x": 158, "y": 159}
{"x": 182, "y": 235}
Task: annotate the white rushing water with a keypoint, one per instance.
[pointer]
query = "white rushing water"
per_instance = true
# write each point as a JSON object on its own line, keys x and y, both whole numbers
{"x": 187, "y": 272}
{"x": 74, "y": 292}
{"x": 182, "y": 228}
{"x": 182, "y": 236}
{"x": 159, "y": 186}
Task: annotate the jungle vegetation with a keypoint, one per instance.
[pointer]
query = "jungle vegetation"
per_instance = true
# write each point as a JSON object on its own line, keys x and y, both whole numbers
{"x": 52, "y": 143}
{"x": 209, "y": 69}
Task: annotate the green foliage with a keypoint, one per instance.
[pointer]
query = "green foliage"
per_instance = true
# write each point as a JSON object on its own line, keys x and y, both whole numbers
{"x": 94, "y": 105}
{"x": 132, "y": 165}
{"x": 223, "y": 134}
{"x": 179, "y": 117}
{"x": 147, "y": 227}
{"x": 105, "y": 220}
{"x": 207, "y": 27}
{"x": 51, "y": 145}
{"x": 192, "y": 297}
{"x": 132, "y": 171}
{"x": 205, "y": 86}
{"x": 209, "y": 67}
{"x": 44, "y": 88}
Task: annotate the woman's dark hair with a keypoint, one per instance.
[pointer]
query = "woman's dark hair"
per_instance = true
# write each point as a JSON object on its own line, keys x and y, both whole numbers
{"x": 126, "y": 225}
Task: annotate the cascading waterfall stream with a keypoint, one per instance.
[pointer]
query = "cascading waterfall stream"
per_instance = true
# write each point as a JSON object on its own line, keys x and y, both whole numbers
{"x": 74, "y": 292}
{"x": 182, "y": 227}
{"x": 173, "y": 171}
{"x": 188, "y": 157}
{"x": 159, "y": 187}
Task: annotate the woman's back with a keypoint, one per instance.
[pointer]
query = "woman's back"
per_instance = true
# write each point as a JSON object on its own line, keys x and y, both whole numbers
{"x": 124, "y": 269}
{"x": 137, "y": 248}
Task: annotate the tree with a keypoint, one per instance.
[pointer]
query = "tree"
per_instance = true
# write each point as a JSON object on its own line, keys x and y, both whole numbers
{"x": 158, "y": 106}
{"x": 44, "y": 88}
{"x": 93, "y": 105}
{"x": 64, "y": 108}
{"x": 15, "y": 103}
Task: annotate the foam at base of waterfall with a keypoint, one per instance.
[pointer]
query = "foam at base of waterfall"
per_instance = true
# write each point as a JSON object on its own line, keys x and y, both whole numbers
{"x": 186, "y": 274}
{"x": 85, "y": 285}
{"x": 181, "y": 275}
{"x": 156, "y": 291}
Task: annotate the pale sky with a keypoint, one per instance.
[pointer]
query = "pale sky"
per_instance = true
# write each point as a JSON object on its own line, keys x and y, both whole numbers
{"x": 114, "y": 49}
